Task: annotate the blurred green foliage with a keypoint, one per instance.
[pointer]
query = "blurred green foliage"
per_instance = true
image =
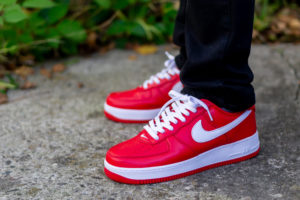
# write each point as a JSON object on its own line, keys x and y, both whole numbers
{"x": 266, "y": 9}
{"x": 44, "y": 27}
{"x": 277, "y": 21}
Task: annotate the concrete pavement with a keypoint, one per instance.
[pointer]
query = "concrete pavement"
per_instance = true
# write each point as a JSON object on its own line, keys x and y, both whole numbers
{"x": 53, "y": 139}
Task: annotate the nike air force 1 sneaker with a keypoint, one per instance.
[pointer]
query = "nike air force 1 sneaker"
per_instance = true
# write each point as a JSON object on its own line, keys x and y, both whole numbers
{"x": 144, "y": 102}
{"x": 187, "y": 136}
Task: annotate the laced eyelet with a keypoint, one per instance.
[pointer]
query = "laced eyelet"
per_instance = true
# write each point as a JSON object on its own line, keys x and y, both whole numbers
{"x": 175, "y": 110}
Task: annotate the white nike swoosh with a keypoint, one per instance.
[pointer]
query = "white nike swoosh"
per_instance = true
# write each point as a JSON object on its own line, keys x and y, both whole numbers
{"x": 200, "y": 135}
{"x": 144, "y": 136}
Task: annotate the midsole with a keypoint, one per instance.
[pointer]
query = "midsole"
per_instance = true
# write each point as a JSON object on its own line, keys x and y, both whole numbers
{"x": 131, "y": 114}
{"x": 223, "y": 153}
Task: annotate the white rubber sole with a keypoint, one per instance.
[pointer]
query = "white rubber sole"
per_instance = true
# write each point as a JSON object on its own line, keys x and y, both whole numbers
{"x": 220, "y": 154}
{"x": 131, "y": 114}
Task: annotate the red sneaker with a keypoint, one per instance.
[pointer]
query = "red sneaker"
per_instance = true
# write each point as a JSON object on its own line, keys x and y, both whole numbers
{"x": 187, "y": 137}
{"x": 144, "y": 102}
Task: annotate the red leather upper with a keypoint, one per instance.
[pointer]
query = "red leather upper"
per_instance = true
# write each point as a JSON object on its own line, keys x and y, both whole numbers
{"x": 155, "y": 96}
{"x": 178, "y": 145}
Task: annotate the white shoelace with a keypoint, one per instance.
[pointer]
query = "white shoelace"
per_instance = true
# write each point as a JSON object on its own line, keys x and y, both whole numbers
{"x": 170, "y": 69}
{"x": 180, "y": 105}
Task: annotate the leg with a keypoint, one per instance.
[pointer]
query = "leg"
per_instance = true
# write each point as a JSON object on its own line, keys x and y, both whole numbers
{"x": 179, "y": 34}
{"x": 218, "y": 39}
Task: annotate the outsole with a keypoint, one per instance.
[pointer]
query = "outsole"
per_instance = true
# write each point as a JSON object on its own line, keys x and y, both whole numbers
{"x": 115, "y": 119}
{"x": 122, "y": 179}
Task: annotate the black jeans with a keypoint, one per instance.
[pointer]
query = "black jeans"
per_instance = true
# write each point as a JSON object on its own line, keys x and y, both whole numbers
{"x": 215, "y": 40}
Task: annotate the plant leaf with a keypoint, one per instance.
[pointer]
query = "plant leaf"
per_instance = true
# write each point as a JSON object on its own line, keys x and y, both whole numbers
{"x": 14, "y": 14}
{"x": 72, "y": 30}
{"x": 117, "y": 27}
{"x": 55, "y": 13}
{"x": 4, "y": 85}
{"x": 35, "y": 21}
{"x": 25, "y": 37}
{"x": 105, "y": 4}
{"x": 1, "y": 21}
{"x": 119, "y": 5}
{"x": 7, "y": 2}
{"x": 38, "y": 4}
{"x": 53, "y": 33}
